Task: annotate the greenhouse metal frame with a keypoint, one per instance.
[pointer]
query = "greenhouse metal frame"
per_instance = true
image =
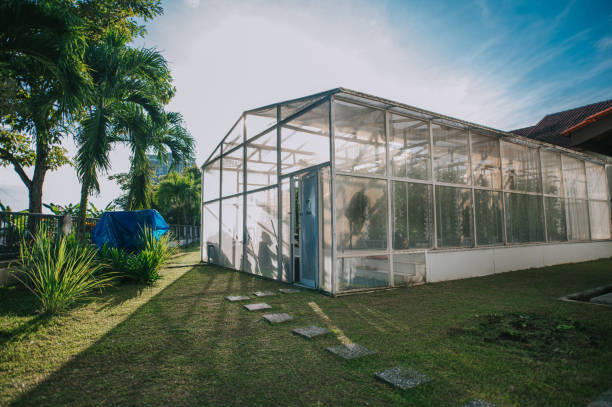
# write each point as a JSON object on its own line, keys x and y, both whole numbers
{"x": 343, "y": 191}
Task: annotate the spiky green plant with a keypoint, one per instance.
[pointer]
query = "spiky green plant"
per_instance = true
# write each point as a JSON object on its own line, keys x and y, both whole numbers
{"x": 143, "y": 264}
{"x": 59, "y": 271}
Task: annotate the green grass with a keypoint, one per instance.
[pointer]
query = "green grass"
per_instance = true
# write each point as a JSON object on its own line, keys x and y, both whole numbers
{"x": 180, "y": 343}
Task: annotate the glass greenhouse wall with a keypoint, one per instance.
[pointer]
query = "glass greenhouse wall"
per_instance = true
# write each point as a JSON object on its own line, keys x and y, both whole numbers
{"x": 343, "y": 191}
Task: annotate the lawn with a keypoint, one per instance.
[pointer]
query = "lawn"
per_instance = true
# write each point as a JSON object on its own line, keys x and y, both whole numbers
{"x": 503, "y": 338}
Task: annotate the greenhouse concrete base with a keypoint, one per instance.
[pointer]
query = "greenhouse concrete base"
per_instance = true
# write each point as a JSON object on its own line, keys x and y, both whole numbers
{"x": 457, "y": 264}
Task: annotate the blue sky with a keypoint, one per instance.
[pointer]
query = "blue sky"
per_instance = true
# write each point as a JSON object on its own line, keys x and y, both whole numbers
{"x": 499, "y": 63}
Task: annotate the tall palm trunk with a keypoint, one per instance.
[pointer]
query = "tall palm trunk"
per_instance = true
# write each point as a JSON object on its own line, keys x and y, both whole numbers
{"x": 83, "y": 208}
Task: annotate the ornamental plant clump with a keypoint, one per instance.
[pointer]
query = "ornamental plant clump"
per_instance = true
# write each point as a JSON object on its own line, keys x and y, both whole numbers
{"x": 59, "y": 271}
{"x": 143, "y": 264}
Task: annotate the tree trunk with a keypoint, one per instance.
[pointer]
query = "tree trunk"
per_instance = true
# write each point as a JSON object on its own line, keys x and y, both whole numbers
{"x": 83, "y": 209}
{"x": 40, "y": 170}
{"x": 35, "y": 189}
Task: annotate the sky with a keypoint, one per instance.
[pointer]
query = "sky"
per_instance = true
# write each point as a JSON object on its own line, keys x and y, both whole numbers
{"x": 504, "y": 64}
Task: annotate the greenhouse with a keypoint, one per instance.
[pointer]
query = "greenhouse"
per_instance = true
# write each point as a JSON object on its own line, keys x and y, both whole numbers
{"x": 343, "y": 191}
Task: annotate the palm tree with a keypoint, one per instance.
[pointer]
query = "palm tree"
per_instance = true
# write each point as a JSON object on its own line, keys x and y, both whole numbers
{"x": 179, "y": 192}
{"x": 48, "y": 33}
{"x": 123, "y": 78}
{"x": 166, "y": 138}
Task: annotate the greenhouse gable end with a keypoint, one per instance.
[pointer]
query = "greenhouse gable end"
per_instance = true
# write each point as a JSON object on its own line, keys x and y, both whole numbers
{"x": 343, "y": 191}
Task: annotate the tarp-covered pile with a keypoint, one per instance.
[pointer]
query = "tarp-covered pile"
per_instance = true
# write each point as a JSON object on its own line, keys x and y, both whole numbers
{"x": 123, "y": 229}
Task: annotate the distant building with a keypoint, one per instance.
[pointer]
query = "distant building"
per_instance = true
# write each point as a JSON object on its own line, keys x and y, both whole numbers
{"x": 162, "y": 169}
{"x": 585, "y": 128}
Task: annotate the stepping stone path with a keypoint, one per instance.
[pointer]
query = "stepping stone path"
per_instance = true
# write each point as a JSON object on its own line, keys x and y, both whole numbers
{"x": 403, "y": 377}
{"x": 257, "y": 306}
{"x": 351, "y": 351}
{"x": 605, "y": 299}
{"x": 277, "y": 318}
{"x": 478, "y": 403}
{"x": 311, "y": 331}
{"x": 263, "y": 293}
{"x": 604, "y": 400}
{"x": 234, "y": 298}
{"x": 288, "y": 290}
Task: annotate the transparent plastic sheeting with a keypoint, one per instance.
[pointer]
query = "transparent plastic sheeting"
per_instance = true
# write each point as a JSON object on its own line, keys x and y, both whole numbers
{"x": 448, "y": 187}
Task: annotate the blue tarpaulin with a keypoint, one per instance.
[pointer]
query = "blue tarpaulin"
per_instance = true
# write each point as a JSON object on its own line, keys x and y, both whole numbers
{"x": 123, "y": 229}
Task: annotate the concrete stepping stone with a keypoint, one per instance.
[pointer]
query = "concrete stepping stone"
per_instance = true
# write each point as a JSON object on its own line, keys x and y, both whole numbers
{"x": 351, "y": 351}
{"x": 311, "y": 331}
{"x": 277, "y": 318}
{"x": 402, "y": 377}
{"x": 257, "y": 306}
{"x": 234, "y": 298}
{"x": 478, "y": 403}
{"x": 604, "y": 400}
{"x": 605, "y": 299}
{"x": 263, "y": 293}
{"x": 288, "y": 290}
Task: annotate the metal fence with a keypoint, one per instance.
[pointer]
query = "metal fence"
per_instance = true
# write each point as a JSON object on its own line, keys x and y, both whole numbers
{"x": 185, "y": 234}
{"x": 16, "y": 226}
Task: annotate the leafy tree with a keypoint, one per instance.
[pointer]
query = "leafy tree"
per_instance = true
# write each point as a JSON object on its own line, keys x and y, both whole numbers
{"x": 42, "y": 79}
{"x": 123, "y": 78}
{"x": 166, "y": 138}
{"x": 178, "y": 196}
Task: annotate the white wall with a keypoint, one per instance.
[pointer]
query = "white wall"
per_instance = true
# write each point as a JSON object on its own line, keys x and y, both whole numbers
{"x": 455, "y": 264}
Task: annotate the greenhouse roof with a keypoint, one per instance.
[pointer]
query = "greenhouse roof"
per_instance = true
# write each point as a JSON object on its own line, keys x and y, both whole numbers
{"x": 294, "y": 107}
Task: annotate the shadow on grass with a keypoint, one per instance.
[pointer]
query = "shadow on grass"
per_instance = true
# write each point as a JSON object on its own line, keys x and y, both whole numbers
{"x": 188, "y": 346}
{"x": 122, "y": 366}
{"x": 23, "y": 330}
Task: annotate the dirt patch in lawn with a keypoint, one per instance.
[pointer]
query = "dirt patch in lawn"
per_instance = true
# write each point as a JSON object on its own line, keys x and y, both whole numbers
{"x": 542, "y": 336}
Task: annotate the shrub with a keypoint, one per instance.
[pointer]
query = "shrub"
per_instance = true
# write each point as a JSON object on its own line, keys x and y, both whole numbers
{"x": 59, "y": 271}
{"x": 143, "y": 264}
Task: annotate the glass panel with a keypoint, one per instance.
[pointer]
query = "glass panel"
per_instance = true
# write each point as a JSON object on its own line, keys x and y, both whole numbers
{"x": 361, "y": 213}
{"x": 574, "y": 177}
{"x": 412, "y": 215}
{"x": 212, "y": 175}
{"x": 485, "y": 161}
{"x": 231, "y": 233}
{"x": 577, "y": 219}
{"x": 261, "y": 161}
{"x": 360, "y": 138}
{"x": 362, "y": 272}
{"x": 555, "y": 219}
{"x": 524, "y": 220}
{"x": 451, "y": 161}
{"x": 290, "y": 108}
{"x": 326, "y": 199}
{"x": 286, "y": 227}
{"x": 454, "y": 217}
{"x": 258, "y": 121}
{"x": 262, "y": 239}
{"x": 210, "y": 232}
{"x": 408, "y": 268}
{"x": 599, "y": 212}
{"x": 409, "y": 147}
{"x": 489, "y": 217}
{"x": 551, "y": 172}
{"x": 521, "y": 167}
{"x": 305, "y": 140}
{"x": 596, "y": 181}
{"x": 235, "y": 136}
{"x": 233, "y": 171}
